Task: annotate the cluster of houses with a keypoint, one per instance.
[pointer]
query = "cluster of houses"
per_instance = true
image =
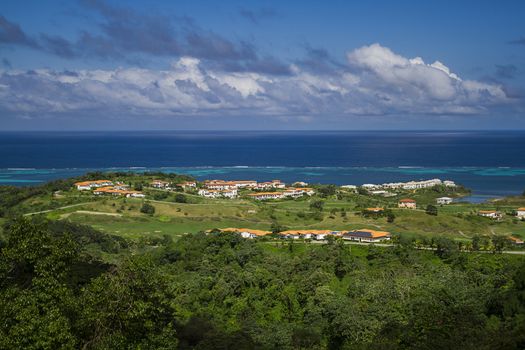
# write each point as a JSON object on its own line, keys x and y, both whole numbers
{"x": 166, "y": 185}
{"x": 497, "y": 215}
{"x": 411, "y": 185}
{"x": 230, "y": 189}
{"x": 361, "y": 235}
{"x": 107, "y": 187}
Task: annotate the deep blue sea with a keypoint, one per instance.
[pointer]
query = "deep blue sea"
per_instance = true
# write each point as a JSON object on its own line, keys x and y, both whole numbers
{"x": 492, "y": 163}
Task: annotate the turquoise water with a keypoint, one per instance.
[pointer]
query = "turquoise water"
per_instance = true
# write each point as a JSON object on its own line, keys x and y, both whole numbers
{"x": 486, "y": 182}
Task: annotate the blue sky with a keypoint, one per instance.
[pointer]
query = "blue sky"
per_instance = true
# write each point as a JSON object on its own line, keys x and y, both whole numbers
{"x": 262, "y": 65}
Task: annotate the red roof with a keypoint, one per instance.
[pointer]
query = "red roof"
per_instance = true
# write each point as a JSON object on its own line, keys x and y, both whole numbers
{"x": 407, "y": 200}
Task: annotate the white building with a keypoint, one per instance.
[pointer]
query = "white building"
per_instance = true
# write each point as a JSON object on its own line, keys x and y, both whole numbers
{"x": 160, "y": 184}
{"x": 520, "y": 213}
{"x": 444, "y": 200}
{"x": 271, "y": 184}
{"x": 365, "y": 235}
{"x": 227, "y": 193}
{"x": 88, "y": 185}
{"x": 493, "y": 214}
{"x": 298, "y": 192}
{"x": 266, "y": 195}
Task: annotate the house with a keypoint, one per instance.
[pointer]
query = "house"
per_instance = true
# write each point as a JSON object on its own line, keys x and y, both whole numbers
{"x": 121, "y": 186}
{"x": 520, "y": 213}
{"x": 219, "y": 185}
{"x": 298, "y": 192}
{"x": 365, "y": 235}
{"x": 493, "y": 214}
{"x": 160, "y": 184}
{"x": 135, "y": 194}
{"x": 188, "y": 185}
{"x": 444, "y": 200}
{"x": 306, "y": 234}
{"x": 227, "y": 193}
{"x": 515, "y": 240}
{"x": 271, "y": 184}
{"x": 407, "y": 203}
{"x": 245, "y": 183}
{"x": 260, "y": 196}
{"x": 110, "y": 190}
{"x": 246, "y": 232}
{"x": 88, "y": 185}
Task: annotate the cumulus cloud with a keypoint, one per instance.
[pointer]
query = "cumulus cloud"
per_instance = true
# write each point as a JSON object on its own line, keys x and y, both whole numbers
{"x": 376, "y": 81}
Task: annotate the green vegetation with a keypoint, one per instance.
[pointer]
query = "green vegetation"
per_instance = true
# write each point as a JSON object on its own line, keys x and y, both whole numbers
{"x": 64, "y": 285}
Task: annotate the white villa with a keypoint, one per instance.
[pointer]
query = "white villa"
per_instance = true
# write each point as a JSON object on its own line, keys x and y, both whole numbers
{"x": 227, "y": 193}
{"x": 110, "y": 190}
{"x": 88, "y": 185}
{"x": 365, "y": 235}
{"x": 298, "y": 192}
{"x": 271, "y": 184}
{"x": 414, "y": 185}
{"x": 160, "y": 184}
{"x": 188, "y": 185}
{"x": 520, "y": 213}
{"x": 493, "y": 214}
{"x": 444, "y": 200}
{"x": 407, "y": 203}
{"x": 266, "y": 195}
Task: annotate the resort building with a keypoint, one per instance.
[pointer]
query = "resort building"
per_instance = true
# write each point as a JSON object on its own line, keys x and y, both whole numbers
{"x": 298, "y": 192}
{"x": 407, "y": 203}
{"x": 160, "y": 184}
{"x": 444, "y": 200}
{"x": 121, "y": 186}
{"x": 493, "y": 214}
{"x": 266, "y": 195}
{"x": 271, "y": 184}
{"x": 88, "y": 185}
{"x": 307, "y": 234}
{"x": 414, "y": 185}
{"x": 110, "y": 190}
{"x": 365, "y": 235}
{"x": 226, "y": 193}
{"x": 219, "y": 185}
{"x": 245, "y": 183}
{"x": 246, "y": 232}
{"x": 188, "y": 185}
{"x": 520, "y": 213}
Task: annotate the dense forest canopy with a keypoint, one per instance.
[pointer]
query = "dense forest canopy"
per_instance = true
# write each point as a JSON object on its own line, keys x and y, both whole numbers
{"x": 219, "y": 291}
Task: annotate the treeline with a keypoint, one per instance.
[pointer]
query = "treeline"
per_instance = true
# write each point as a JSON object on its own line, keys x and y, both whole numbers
{"x": 219, "y": 291}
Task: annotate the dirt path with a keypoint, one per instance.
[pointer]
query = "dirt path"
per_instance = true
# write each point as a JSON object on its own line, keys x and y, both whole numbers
{"x": 60, "y": 208}
{"x": 95, "y": 213}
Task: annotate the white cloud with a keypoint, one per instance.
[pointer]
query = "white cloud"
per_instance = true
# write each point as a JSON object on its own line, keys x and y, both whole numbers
{"x": 376, "y": 81}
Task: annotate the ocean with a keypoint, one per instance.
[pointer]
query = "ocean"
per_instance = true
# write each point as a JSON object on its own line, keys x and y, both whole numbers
{"x": 492, "y": 163}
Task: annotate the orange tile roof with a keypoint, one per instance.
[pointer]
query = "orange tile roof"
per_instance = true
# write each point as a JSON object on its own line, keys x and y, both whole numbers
{"x": 304, "y": 232}
{"x": 407, "y": 200}
{"x": 487, "y": 211}
{"x": 374, "y": 209}
{"x": 373, "y": 233}
{"x": 515, "y": 239}
{"x": 252, "y": 231}
{"x": 264, "y": 193}
{"x": 521, "y": 209}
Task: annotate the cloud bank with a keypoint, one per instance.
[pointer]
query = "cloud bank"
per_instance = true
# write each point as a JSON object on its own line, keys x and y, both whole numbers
{"x": 374, "y": 81}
